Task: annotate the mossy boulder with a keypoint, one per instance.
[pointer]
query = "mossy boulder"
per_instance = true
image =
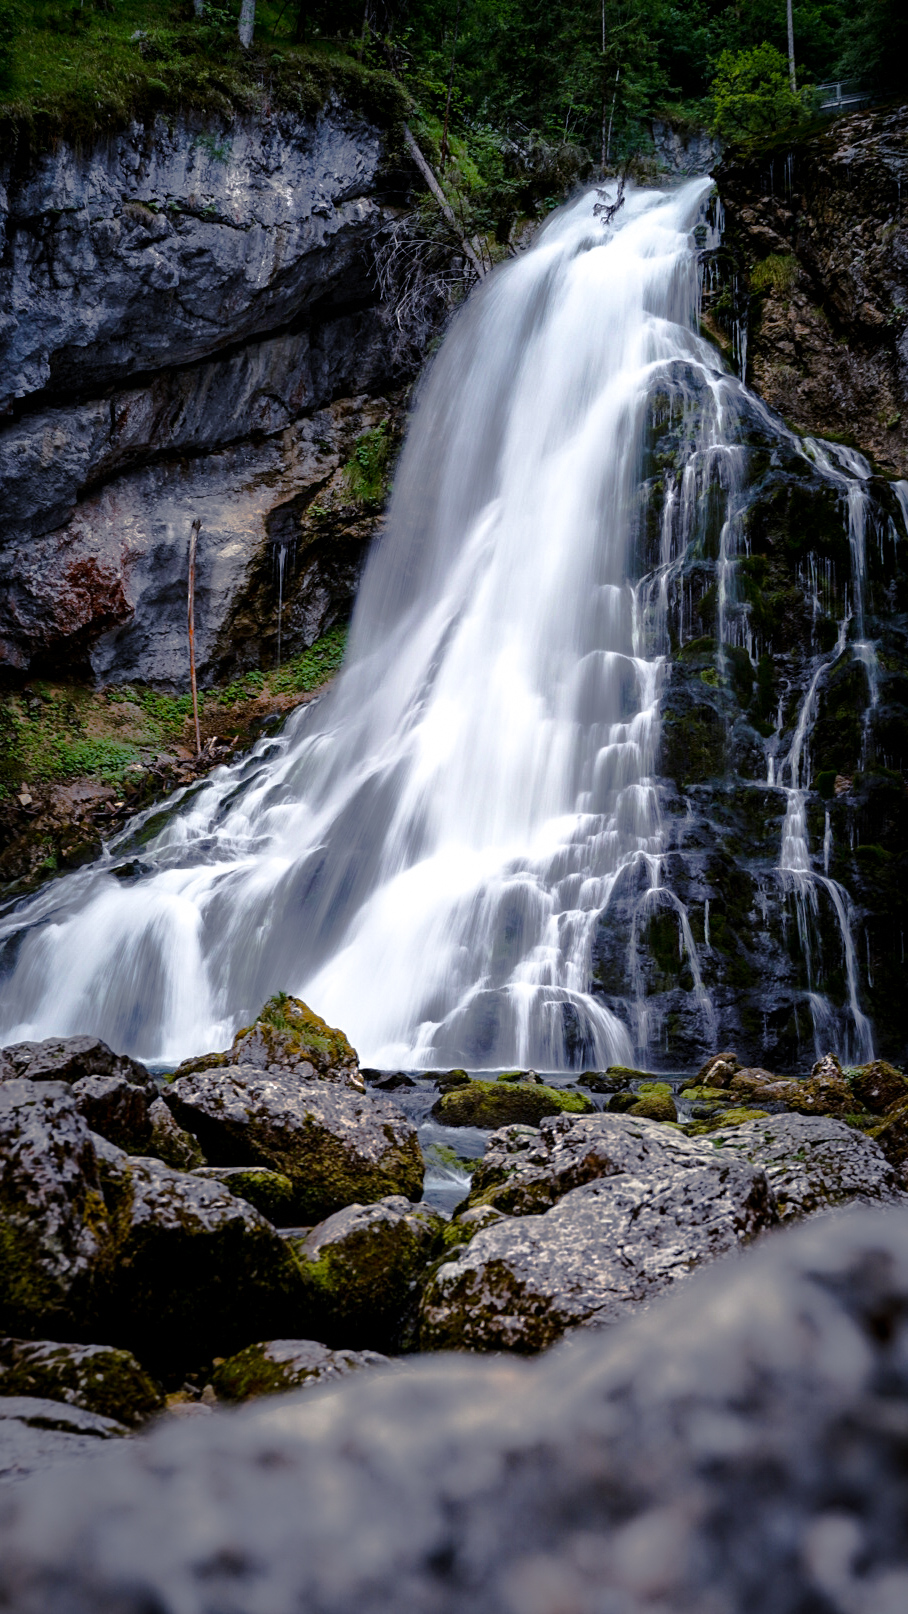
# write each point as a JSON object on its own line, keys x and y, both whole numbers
{"x": 656, "y": 1102}
{"x": 892, "y": 1138}
{"x": 196, "y": 1271}
{"x": 625, "y": 1073}
{"x": 287, "y": 1036}
{"x": 99, "y": 1378}
{"x": 620, "y": 1103}
{"x": 279, "y": 1365}
{"x": 170, "y": 1142}
{"x": 812, "y": 1095}
{"x": 717, "y": 1072}
{"x": 336, "y": 1145}
{"x": 496, "y": 1104}
{"x": 521, "y": 1076}
{"x": 729, "y": 1115}
{"x": 56, "y": 1236}
{"x": 878, "y": 1086}
{"x": 362, "y": 1269}
{"x": 269, "y": 1191}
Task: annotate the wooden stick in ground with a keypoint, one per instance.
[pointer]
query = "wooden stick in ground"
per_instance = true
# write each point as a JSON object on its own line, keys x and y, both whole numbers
{"x": 442, "y": 200}
{"x": 193, "y": 540}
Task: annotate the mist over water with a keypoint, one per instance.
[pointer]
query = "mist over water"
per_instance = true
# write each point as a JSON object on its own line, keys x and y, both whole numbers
{"x": 424, "y": 854}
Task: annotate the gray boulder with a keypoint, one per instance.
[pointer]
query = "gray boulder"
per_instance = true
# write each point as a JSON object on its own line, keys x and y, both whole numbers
{"x": 287, "y": 1364}
{"x": 287, "y": 1036}
{"x": 116, "y": 1108}
{"x": 740, "y": 1447}
{"x": 658, "y": 1206}
{"x": 172, "y": 1143}
{"x": 269, "y": 1191}
{"x": 66, "y": 1059}
{"x": 97, "y": 1378}
{"x": 336, "y": 1145}
{"x": 56, "y": 1240}
{"x": 362, "y": 1269}
{"x": 813, "y": 1162}
{"x": 37, "y": 1434}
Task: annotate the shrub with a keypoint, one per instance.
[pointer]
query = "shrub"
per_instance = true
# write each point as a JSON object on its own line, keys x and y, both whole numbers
{"x": 752, "y": 96}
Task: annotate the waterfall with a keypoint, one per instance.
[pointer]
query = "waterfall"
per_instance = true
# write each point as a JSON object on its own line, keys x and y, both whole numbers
{"x": 426, "y": 852}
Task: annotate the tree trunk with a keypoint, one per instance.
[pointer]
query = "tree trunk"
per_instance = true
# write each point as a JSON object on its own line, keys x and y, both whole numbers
{"x": 791, "y": 51}
{"x": 442, "y": 200}
{"x": 247, "y": 23}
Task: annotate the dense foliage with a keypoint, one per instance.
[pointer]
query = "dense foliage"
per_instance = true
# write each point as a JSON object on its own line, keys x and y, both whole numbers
{"x": 591, "y": 72}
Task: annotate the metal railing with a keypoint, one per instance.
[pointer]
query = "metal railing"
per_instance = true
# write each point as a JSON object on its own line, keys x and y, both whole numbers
{"x": 842, "y": 95}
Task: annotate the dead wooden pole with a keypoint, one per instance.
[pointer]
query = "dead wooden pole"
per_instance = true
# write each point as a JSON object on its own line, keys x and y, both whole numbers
{"x": 190, "y": 612}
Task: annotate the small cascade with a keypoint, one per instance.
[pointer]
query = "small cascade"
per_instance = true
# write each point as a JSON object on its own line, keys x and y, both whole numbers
{"x": 283, "y": 549}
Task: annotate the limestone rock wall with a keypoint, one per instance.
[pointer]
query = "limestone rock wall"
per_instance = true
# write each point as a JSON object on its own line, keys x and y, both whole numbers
{"x": 188, "y": 327}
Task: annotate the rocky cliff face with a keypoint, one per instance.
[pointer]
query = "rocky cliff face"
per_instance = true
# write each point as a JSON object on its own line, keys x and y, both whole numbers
{"x": 820, "y": 270}
{"x": 190, "y": 329}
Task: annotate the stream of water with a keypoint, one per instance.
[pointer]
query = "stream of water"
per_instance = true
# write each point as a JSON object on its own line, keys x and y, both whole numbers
{"x": 425, "y": 854}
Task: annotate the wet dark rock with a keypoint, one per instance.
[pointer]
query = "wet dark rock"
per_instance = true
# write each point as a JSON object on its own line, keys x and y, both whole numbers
{"x": 878, "y": 1086}
{"x": 56, "y": 1238}
{"x": 172, "y": 1143}
{"x": 197, "y": 1270}
{"x": 392, "y": 1082}
{"x": 336, "y": 1145}
{"x": 98, "y": 1378}
{"x": 68, "y": 1059}
{"x": 116, "y": 1108}
{"x": 717, "y": 1453}
{"x": 717, "y": 1072}
{"x": 892, "y": 1138}
{"x": 491, "y": 1104}
{"x": 448, "y": 1080}
{"x": 287, "y": 1364}
{"x": 650, "y": 1206}
{"x": 812, "y": 1163}
{"x": 269, "y": 1191}
{"x": 362, "y": 1270}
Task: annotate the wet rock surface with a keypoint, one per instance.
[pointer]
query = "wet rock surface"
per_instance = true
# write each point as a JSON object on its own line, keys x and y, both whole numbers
{"x": 812, "y": 1163}
{"x": 495, "y": 1104}
{"x": 362, "y": 1270}
{"x": 287, "y": 1364}
{"x": 335, "y": 1144}
{"x": 68, "y": 1059}
{"x": 37, "y": 1434}
{"x": 98, "y": 1378}
{"x": 226, "y": 349}
{"x": 738, "y": 1447}
{"x": 649, "y": 1207}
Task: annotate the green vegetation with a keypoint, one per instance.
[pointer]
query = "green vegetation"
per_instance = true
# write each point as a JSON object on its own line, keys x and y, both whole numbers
{"x": 366, "y": 473}
{"x": 775, "y": 273}
{"x": 496, "y": 89}
{"x": 52, "y": 733}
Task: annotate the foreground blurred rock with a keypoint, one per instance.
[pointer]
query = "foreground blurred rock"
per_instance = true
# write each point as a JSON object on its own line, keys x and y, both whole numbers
{"x": 740, "y": 1448}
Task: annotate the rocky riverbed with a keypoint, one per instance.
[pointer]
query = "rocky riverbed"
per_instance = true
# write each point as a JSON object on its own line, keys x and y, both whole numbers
{"x": 271, "y": 1216}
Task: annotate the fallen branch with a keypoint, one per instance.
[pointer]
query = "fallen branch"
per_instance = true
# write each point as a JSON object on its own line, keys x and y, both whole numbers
{"x": 443, "y": 202}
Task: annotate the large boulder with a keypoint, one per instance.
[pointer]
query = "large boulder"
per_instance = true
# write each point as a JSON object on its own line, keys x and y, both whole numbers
{"x": 286, "y": 1364}
{"x": 824, "y": 1092}
{"x": 362, "y": 1269}
{"x": 497, "y": 1104}
{"x": 98, "y": 1378}
{"x": 813, "y": 1162}
{"x": 288, "y": 1036}
{"x": 878, "y": 1087}
{"x": 650, "y": 1207}
{"x": 117, "y": 1109}
{"x": 67, "y": 1059}
{"x": 56, "y": 1240}
{"x": 269, "y": 1191}
{"x": 739, "y": 1447}
{"x": 96, "y": 1244}
{"x": 172, "y": 1143}
{"x": 198, "y": 1271}
{"x": 892, "y": 1137}
{"x": 335, "y": 1144}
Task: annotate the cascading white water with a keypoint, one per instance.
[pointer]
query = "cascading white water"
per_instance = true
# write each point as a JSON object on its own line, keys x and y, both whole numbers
{"x": 424, "y": 855}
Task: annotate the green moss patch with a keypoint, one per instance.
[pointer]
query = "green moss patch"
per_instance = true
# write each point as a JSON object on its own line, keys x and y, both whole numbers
{"x": 492, "y": 1105}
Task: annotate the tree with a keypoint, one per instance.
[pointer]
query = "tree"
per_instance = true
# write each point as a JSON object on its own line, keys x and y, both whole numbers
{"x": 247, "y": 23}
{"x": 752, "y": 94}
